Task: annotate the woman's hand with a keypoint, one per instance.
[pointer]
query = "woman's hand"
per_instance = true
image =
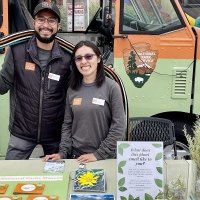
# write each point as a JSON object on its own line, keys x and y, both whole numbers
{"x": 52, "y": 157}
{"x": 111, "y": 67}
{"x": 86, "y": 158}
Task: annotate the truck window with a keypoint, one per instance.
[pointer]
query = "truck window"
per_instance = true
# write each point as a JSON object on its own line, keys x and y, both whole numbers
{"x": 146, "y": 16}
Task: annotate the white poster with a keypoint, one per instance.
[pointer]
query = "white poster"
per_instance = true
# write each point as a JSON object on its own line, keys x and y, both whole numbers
{"x": 140, "y": 167}
{"x": 79, "y": 16}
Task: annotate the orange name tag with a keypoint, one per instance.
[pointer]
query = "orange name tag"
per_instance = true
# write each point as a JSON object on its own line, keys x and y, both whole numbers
{"x": 10, "y": 198}
{"x": 77, "y": 101}
{"x": 23, "y": 188}
{"x": 42, "y": 197}
{"x": 30, "y": 66}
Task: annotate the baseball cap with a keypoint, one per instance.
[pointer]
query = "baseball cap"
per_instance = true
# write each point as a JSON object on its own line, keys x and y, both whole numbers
{"x": 47, "y": 6}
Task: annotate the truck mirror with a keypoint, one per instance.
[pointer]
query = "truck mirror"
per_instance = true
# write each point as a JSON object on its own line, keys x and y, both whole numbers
{"x": 96, "y": 24}
{"x": 93, "y": 25}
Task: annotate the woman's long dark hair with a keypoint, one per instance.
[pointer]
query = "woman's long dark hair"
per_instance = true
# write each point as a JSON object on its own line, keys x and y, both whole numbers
{"x": 76, "y": 77}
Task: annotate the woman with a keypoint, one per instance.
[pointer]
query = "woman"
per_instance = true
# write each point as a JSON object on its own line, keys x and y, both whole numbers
{"x": 94, "y": 115}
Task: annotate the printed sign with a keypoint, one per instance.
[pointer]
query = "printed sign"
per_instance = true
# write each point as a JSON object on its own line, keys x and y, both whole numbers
{"x": 79, "y": 16}
{"x": 140, "y": 166}
{"x": 31, "y": 178}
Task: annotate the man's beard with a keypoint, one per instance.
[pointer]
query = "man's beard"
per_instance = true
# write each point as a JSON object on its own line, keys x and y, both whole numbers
{"x": 45, "y": 40}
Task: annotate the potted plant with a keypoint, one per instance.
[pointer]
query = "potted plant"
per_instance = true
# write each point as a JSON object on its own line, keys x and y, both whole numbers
{"x": 175, "y": 191}
{"x": 194, "y": 148}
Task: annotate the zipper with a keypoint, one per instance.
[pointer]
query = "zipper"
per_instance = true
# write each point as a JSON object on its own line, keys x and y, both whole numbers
{"x": 49, "y": 80}
{"x": 40, "y": 106}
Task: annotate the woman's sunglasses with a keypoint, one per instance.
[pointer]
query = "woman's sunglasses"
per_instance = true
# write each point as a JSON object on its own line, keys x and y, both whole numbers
{"x": 86, "y": 56}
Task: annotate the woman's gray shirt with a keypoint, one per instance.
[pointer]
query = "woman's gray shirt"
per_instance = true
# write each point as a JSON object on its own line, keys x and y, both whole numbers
{"x": 94, "y": 121}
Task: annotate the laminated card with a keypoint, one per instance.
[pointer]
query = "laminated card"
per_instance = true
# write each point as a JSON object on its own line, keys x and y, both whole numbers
{"x": 139, "y": 170}
{"x": 92, "y": 180}
{"x": 92, "y": 196}
{"x": 56, "y": 184}
{"x": 54, "y": 166}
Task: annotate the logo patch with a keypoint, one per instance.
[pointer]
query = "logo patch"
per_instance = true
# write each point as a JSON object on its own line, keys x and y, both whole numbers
{"x": 30, "y": 66}
{"x": 139, "y": 64}
{"x": 47, "y": 5}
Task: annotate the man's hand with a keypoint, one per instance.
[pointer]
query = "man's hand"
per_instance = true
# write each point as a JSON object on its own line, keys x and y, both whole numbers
{"x": 52, "y": 157}
{"x": 86, "y": 158}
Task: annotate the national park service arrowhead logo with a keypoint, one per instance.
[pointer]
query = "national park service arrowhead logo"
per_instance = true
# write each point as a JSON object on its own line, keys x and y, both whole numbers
{"x": 139, "y": 63}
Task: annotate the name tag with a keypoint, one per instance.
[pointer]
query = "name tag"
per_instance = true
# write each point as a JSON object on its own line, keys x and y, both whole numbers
{"x": 77, "y": 101}
{"x": 54, "y": 77}
{"x": 30, "y": 66}
{"x": 98, "y": 101}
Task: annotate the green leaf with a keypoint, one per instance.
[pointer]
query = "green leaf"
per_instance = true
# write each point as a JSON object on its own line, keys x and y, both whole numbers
{"x": 120, "y": 170}
{"x": 120, "y": 151}
{"x": 137, "y": 198}
{"x": 157, "y": 145}
{"x": 124, "y": 145}
{"x": 122, "y": 164}
{"x": 122, "y": 189}
{"x": 159, "y": 169}
{"x": 121, "y": 182}
{"x": 123, "y": 198}
{"x": 158, "y": 182}
{"x": 158, "y": 156}
{"x": 148, "y": 197}
{"x": 130, "y": 197}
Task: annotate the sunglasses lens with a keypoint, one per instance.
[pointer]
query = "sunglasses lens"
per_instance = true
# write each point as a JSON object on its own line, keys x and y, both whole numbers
{"x": 78, "y": 58}
{"x": 88, "y": 56}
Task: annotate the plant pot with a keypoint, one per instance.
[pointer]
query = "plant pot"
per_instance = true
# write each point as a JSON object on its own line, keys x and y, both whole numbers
{"x": 197, "y": 189}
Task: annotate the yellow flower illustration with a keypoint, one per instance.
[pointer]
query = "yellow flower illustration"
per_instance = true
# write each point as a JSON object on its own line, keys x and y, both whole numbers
{"x": 88, "y": 179}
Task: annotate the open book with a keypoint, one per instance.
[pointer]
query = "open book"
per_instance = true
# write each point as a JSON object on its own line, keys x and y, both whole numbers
{"x": 93, "y": 180}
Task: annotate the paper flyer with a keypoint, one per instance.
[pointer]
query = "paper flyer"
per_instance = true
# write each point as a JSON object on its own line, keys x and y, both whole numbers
{"x": 139, "y": 173}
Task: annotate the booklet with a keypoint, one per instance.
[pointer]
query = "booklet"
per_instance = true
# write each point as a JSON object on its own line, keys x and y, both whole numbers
{"x": 93, "y": 180}
{"x": 54, "y": 166}
{"x": 92, "y": 196}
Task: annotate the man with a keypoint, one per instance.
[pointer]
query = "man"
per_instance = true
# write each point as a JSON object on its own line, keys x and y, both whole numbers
{"x": 36, "y": 73}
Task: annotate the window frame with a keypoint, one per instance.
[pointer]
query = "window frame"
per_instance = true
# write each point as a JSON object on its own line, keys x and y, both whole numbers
{"x": 150, "y": 32}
